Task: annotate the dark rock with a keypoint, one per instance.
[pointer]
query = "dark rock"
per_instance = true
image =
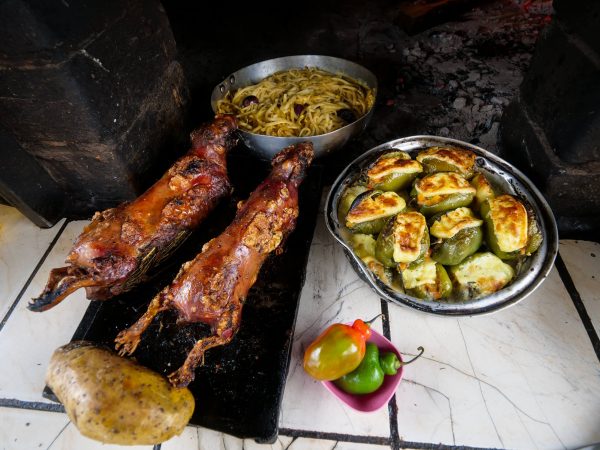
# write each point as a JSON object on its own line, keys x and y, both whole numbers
{"x": 562, "y": 91}
{"x": 92, "y": 92}
{"x": 582, "y": 18}
{"x": 552, "y": 129}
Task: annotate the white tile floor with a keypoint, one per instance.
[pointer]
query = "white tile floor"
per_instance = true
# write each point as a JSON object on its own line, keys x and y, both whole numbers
{"x": 525, "y": 377}
{"x": 22, "y": 244}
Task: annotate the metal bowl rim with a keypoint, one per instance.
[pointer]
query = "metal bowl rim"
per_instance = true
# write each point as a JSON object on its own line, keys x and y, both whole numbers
{"x": 484, "y": 305}
{"x": 302, "y": 138}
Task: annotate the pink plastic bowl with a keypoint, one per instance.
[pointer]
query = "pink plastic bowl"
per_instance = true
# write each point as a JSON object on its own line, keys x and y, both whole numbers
{"x": 379, "y": 398}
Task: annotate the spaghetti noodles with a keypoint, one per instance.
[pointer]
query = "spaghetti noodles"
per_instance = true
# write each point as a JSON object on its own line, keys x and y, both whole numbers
{"x": 298, "y": 102}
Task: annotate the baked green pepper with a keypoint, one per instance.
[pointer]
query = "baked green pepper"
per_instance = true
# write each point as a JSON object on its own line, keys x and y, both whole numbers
{"x": 384, "y": 246}
{"x": 404, "y": 239}
{"x": 534, "y": 235}
{"x": 483, "y": 190}
{"x": 453, "y": 250}
{"x": 387, "y": 275}
{"x": 442, "y": 191}
{"x": 449, "y": 202}
{"x": 427, "y": 281}
{"x": 347, "y": 198}
{"x": 448, "y": 159}
{"x": 363, "y": 245}
{"x": 460, "y": 235}
{"x": 370, "y": 210}
{"x": 505, "y": 218}
{"x": 393, "y": 171}
{"x": 479, "y": 275}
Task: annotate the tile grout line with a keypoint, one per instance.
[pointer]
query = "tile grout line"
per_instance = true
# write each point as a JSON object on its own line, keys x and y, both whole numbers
{"x": 35, "y": 406}
{"x": 324, "y": 435}
{"x": 374, "y": 440}
{"x": 392, "y": 405}
{"x": 33, "y": 274}
{"x": 565, "y": 277}
{"x": 290, "y": 432}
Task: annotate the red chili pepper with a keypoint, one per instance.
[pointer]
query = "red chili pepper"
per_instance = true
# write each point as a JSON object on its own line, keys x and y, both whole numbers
{"x": 338, "y": 350}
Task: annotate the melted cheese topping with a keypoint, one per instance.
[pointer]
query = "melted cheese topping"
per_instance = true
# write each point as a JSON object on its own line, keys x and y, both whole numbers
{"x": 393, "y": 165}
{"x": 443, "y": 183}
{"x": 463, "y": 160}
{"x": 408, "y": 231}
{"x": 453, "y": 221}
{"x": 422, "y": 274}
{"x": 484, "y": 189}
{"x": 509, "y": 217}
{"x": 377, "y": 268}
{"x": 376, "y": 207}
{"x": 486, "y": 270}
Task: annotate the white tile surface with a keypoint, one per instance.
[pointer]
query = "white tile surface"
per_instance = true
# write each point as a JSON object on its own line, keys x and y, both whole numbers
{"x": 23, "y": 429}
{"x": 28, "y": 338}
{"x": 203, "y": 439}
{"x": 524, "y": 377}
{"x": 582, "y": 259}
{"x": 29, "y": 430}
{"x": 332, "y": 293}
{"x": 22, "y": 244}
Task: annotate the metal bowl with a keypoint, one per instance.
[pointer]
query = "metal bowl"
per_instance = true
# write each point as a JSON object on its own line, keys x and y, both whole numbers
{"x": 506, "y": 178}
{"x": 267, "y": 146}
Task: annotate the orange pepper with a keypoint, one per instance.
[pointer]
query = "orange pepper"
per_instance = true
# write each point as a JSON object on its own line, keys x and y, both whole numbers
{"x": 337, "y": 351}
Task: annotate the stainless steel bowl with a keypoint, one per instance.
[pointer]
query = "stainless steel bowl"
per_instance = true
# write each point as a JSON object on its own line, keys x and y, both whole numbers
{"x": 507, "y": 178}
{"x": 267, "y": 146}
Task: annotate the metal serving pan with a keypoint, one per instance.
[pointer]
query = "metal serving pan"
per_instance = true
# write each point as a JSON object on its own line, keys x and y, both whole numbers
{"x": 267, "y": 146}
{"x": 506, "y": 178}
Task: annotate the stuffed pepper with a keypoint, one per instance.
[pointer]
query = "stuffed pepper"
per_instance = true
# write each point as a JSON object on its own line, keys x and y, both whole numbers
{"x": 393, "y": 171}
{"x": 404, "y": 240}
{"x": 459, "y": 233}
{"x": 369, "y": 211}
{"x": 447, "y": 159}
{"x": 441, "y": 192}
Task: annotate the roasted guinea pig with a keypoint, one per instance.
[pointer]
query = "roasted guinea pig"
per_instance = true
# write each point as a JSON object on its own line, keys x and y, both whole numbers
{"x": 211, "y": 288}
{"x": 121, "y": 244}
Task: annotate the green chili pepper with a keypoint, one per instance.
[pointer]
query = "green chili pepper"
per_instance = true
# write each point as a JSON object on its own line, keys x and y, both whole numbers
{"x": 367, "y": 377}
{"x": 389, "y": 363}
{"x": 370, "y": 373}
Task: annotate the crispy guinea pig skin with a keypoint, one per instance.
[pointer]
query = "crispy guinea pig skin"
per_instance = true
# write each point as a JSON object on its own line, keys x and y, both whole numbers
{"x": 115, "y": 400}
{"x": 114, "y": 252}
{"x": 211, "y": 288}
